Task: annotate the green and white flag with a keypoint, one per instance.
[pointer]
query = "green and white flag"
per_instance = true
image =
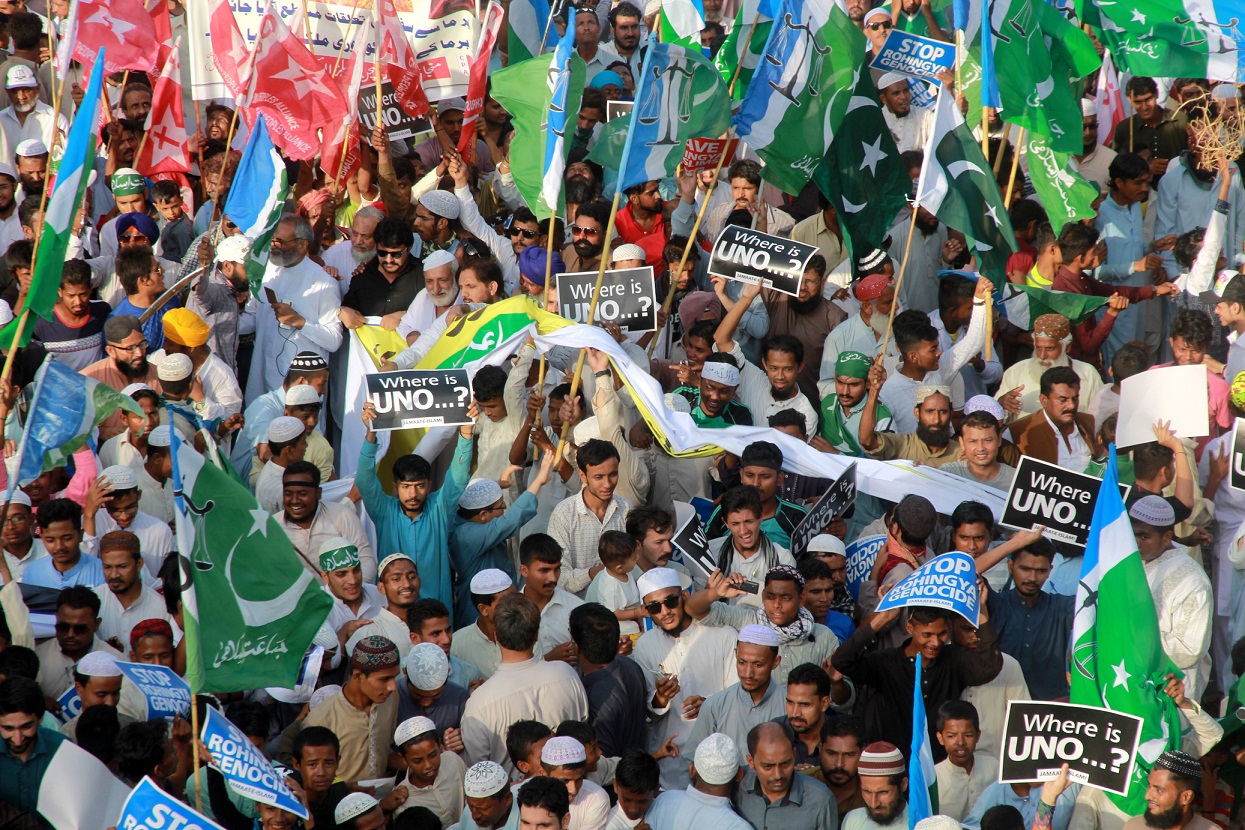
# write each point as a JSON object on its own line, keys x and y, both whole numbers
{"x": 1022, "y": 304}
{"x": 863, "y": 175}
{"x": 1118, "y": 661}
{"x": 1063, "y": 191}
{"x": 252, "y": 608}
{"x": 958, "y": 187}
{"x": 257, "y": 198}
{"x": 800, "y": 90}
{"x": 744, "y": 45}
{"x": 1171, "y": 38}
{"x": 528, "y": 29}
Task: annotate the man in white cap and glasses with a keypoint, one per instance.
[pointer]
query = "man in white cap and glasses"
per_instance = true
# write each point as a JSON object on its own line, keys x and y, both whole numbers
{"x": 434, "y": 775}
{"x": 756, "y": 698}
{"x": 1181, "y": 591}
{"x": 27, "y": 116}
{"x": 359, "y": 811}
{"x": 21, "y": 548}
{"x": 490, "y": 803}
{"x": 1094, "y": 161}
{"x": 439, "y": 294}
{"x": 426, "y": 691}
{"x": 707, "y": 800}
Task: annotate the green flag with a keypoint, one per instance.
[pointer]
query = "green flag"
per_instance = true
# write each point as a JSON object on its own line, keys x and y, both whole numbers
{"x": 1170, "y": 38}
{"x": 863, "y": 175}
{"x": 1061, "y": 188}
{"x": 1022, "y": 304}
{"x": 252, "y": 607}
{"x": 958, "y": 187}
{"x": 744, "y": 45}
{"x": 1118, "y": 661}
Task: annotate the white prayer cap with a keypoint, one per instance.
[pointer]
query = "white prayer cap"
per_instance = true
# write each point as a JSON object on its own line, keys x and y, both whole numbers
{"x": 676, "y": 403}
{"x": 175, "y": 367}
{"x": 723, "y": 373}
{"x": 937, "y": 823}
{"x": 628, "y": 251}
{"x": 19, "y": 497}
{"x": 652, "y": 7}
{"x": 398, "y": 147}
{"x": 353, "y": 806}
{"x": 759, "y": 635}
{"x": 162, "y": 436}
{"x": 1089, "y": 108}
{"x": 438, "y": 258}
{"x": 412, "y": 728}
{"x": 1154, "y": 511}
{"x": 877, "y": 13}
{"x": 479, "y": 494}
{"x": 984, "y": 403}
{"x": 586, "y": 430}
{"x": 891, "y": 78}
{"x": 31, "y": 147}
{"x": 441, "y": 203}
{"x": 322, "y": 694}
{"x": 98, "y": 664}
{"x": 234, "y": 248}
{"x": 717, "y": 759}
{"x": 490, "y": 581}
{"x": 285, "y": 428}
{"x": 485, "y": 780}
{"x": 120, "y": 477}
{"x": 427, "y": 667}
{"x": 562, "y": 750}
{"x": 657, "y": 579}
{"x": 1225, "y": 92}
{"x": 302, "y": 395}
{"x": 390, "y": 559}
{"x": 826, "y": 543}
{"x": 134, "y": 387}
{"x": 6, "y": 169}
{"x": 6, "y": 313}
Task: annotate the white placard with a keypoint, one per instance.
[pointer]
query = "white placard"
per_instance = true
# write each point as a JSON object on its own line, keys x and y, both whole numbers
{"x": 1178, "y": 394}
{"x": 92, "y": 802}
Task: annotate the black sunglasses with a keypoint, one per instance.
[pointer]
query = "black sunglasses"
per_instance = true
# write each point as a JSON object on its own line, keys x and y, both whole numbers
{"x": 76, "y": 628}
{"x": 526, "y": 234}
{"x": 671, "y": 602}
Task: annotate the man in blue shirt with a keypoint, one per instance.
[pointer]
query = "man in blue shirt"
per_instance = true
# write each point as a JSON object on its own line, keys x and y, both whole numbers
{"x": 65, "y": 565}
{"x": 27, "y": 748}
{"x": 416, "y": 521}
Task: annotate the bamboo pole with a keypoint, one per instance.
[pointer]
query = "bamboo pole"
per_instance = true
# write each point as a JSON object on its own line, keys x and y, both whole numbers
{"x": 903, "y": 267}
{"x": 998, "y": 158}
{"x": 217, "y": 208}
{"x": 1011, "y": 179}
{"x": 194, "y": 750}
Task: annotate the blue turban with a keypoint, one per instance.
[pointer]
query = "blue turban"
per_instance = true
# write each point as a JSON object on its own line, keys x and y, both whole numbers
{"x": 532, "y": 264}
{"x": 142, "y": 222}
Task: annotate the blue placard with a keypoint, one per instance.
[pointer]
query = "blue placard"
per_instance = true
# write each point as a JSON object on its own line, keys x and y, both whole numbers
{"x": 948, "y": 581}
{"x": 70, "y": 703}
{"x": 861, "y": 555}
{"x": 246, "y": 770}
{"x": 922, "y": 95}
{"x": 149, "y": 808}
{"x": 167, "y": 695}
{"x": 920, "y": 57}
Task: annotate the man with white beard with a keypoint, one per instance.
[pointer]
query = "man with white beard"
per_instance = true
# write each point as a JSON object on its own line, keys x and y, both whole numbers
{"x": 1019, "y": 390}
{"x": 440, "y": 292}
{"x": 346, "y": 258}
{"x": 304, "y": 317}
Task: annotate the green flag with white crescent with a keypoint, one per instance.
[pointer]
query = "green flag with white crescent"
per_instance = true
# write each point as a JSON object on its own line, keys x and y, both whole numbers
{"x": 1063, "y": 191}
{"x": 743, "y": 48}
{"x": 1022, "y": 304}
{"x": 1171, "y": 38}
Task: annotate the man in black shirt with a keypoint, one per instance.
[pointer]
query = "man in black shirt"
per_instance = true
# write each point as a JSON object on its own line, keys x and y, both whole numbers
{"x": 388, "y": 284}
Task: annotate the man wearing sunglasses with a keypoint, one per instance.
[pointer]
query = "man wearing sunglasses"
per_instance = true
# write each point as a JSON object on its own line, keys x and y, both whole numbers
{"x": 688, "y": 663}
{"x": 387, "y": 285}
{"x": 877, "y": 26}
{"x": 587, "y": 237}
{"x": 77, "y": 624}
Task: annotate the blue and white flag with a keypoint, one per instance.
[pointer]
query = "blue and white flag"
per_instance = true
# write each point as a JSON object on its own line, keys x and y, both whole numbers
{"x": 560, "y": 120}
{"x": 922, "y": 779}
{"x": 149, "y": 806}
{"x": 685, "y": 17}
{"x": 245, "y": 768}
{"x": 257, "y": 198}
{"x": 948, "y": 581}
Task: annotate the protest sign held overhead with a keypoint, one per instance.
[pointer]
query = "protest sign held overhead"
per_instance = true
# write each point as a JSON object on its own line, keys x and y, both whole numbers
{"x": 245, "y": 767}
{"x": 1050, "y": 496}
{"x": 628, "y": 298}
{"x": 948, "y": 581}
{"x": 920, "y": 57}
{"x": 1098, "y": 745}
{"x": 399, "y": 122}
{"x": 703, "y": 153}
{"x": 150, "y": 808}
{"x": 419, "y": 398}
{"x": 751, "y": 256}
{"x": 690, "y": 540}
{"x": 166, "y": 694}
{"x": 832, "y": 505}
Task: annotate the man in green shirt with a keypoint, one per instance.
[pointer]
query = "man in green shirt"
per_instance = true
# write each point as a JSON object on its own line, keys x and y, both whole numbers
{"x": 713, "y": 402}
{"x": 840, "y": 412}
{"x": 28, "y": 748}
{"x": 917, "y": 17}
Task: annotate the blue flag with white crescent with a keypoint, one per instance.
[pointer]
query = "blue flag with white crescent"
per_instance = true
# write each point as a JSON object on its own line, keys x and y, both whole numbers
{"x": 559, "y": 119}
{"x": 922, "y": 780}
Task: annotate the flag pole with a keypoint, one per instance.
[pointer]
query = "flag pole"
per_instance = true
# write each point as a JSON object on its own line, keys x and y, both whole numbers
{"x": 199, "y": 129}
{"x": 56, "y": 101}
{"x": 341, "y": 50}
{"x": 194, "y": 750}
{"x": 380, "y": 103}
{"x": 903, "y": 266}
{"x": 998, "y": 158}
{"x": 1011, "y": 180}
{"x": 544, "y": 38}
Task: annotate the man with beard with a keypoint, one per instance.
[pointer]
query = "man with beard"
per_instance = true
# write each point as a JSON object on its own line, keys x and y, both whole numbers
{"x": 75, "y": 333}
{"x": 745, "y": 188}
{"x": 1174, "y": 785}
{"x": 861, "y": 333}
{"x": 440, "y": 292}
{"x": 1021, "y": 386}
{"x": 588, "y": 240}
{"x": 124, "y": 600}
{"x": 883, "y": 788}
{"x": 32, "y": 167}
{"x": 1058, "y": 433}
{"x": 126, "y": 363}
{"x": 388, "y": 283}
{"x": 28, "y": 747}
{"x": 808, "y": 698}
{"x": 1095, "y": 159}
{"x": 808, "y": 317}
{"x": 581, "y": 184}
{"x": 222, "y": 299}
{"x": 842, "y": 410}
{"x": 625, "y": 21}
{"x": 436, "y": 221}
{"x": 772, "y": 795}
{"x": 690, "y": 662}
{"x": 77, "y": 624}
{"x": 311, "y": 522}
{"x": 838, "y": 762}
{"x": 910, "y": 127}
{"x": 27, "y": 116}
{"x": 304, "y": 317}
{"x": 346, "y": 258}
{"x": 930, "y": 444}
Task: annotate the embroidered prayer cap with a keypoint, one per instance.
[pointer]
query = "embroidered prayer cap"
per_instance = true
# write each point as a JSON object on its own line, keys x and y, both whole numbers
{"x": 427, "y": 667}
{"x": 1054, "y": 326}
{"x": 485, "y": 780}
{"x": 175, "y": 367}
{"x": 586, "y": 430}
{"x": 717, "y": 758}
{"x": 185, "y": 328}
{"x": 1181, "y": 763}
{"x": 302, "y": 395}
{"x": 126, "y": 182}
{"x": 322, "y": 694}
{"x": 676, "y": 403}
{"x": 1089, "y": 108}
{"x": 787, "y": 573}
{"x": 826, "y": 543}
{"x": 628, "y": 251}
{"x": 925, "y": 390}
{"x": 916, "y": 516}
{"x": 309, "y": 362}
{"x": 984, "y": 403}
{"x": 31, "y": 147}
{"x": 532, "y": 264}
{"x": 759, "y": 635}
{"x": 236, "y": 248}
{"x": 98, "y": 664}
{"x": 161, "y": 436}
{"x": 490, "y": 581}
{"x": 20, "y": 76}
{"x": 1154, "y": 511}
{"x": 881, "y": 758}
{"x": 853, "y": 365}
{"x": 150, "y": 628}
{"x": 890, "y": 79}
{"x": 120, "y": 477}
{"x": 375, "y": 653}
{"x": 285, "y": 428}
{"x": 390, "y": 559}
{"x": 562, "y": 751}
{"x": 353, "y": 806}
{"x": 479, "y": 494}
{"x": 876, "y": 257}
{"x": 657, "y": 579}
{"x": 718, "y": 372}
{"x": 119, "y": 540}
{"x": 441, "y": 203}
{"x": 336, "y": 553}
{"x": 939, "y": 822}
{"x": 412, "y": 728}
{"x": 873, "y": 286}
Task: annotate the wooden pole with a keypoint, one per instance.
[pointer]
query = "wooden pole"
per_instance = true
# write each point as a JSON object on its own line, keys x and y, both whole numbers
{"x": 985, "y": 129}
{"x": 989, "y": 319}
{"x": 194, "y": 750}
{"x": 998, "y": 158}
{"x": 1011, "y": 180}
{"x": 56, "y": 101}
{"x": 903, "y": 266}
{"x": 199, "y": 128}
{"x": 380, "y": 103}
{"x": 341, "y": 49}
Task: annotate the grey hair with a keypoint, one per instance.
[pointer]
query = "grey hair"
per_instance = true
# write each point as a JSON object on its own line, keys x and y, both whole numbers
{"x": 370, "y": 212}
{"x": 302, "y": 228}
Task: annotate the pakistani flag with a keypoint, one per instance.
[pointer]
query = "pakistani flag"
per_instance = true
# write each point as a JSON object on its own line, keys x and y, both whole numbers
{"x": 958, "y": 187}
{"x": 1061, "y": 188}
{"x": 801, "y": 89}
{"x": 863, "y": 175}
{"x": 1118, "y": 661}
{"x": 542, "y": 96}
{"x": 62, "y": 210}
{"x": 922, "y": 778}
{"x": 61, "y": 420}
{"x": 1040, "y": 54}
{"x": 251, "y": 607}
{"x": 1022, "y": 304}
{"x": 528, "y": 28}
{"x": 682, "y": 97}
{"x": 257, "y": 198}
{"x": 1171, "y": 38}
{"x": 745, "y": 45}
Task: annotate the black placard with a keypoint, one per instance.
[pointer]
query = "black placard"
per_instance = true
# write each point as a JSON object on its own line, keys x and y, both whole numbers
{"x": 1236, "y": 473}
{"x": 419, "y": 398}
{"x": 692, "y": 542}
{"x": 1060, "y": 500}
{"x": 618, "y": 109}
{"x": 1098, "y": 745}
{"x": 628, "y": 298}
{"x": 751, "y": 256}
{"x": 832, "y": 504}
{"x": 399, "y": 122}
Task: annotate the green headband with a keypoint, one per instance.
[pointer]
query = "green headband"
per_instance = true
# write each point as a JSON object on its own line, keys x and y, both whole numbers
{"x": 339, "y": 558}
{"x": 853, "y": 365}
{"x": 127, "y": 183}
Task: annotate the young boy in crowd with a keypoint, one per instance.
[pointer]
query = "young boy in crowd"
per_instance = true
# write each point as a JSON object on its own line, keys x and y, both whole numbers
{"x": 524, "y": 741}
{"x": 615, "y": 587}
{"x": 176, "y": 229}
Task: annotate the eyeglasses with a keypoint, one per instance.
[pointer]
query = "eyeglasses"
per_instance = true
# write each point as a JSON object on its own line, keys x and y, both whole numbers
{"x": 885, "y": 24}
{"x": 1092, "y": 125}
{"x": 579, "y": 229}
{"x": 671, "y": 602}
{"x": 140, "y": 346}
{"x": 526, "y": 234}
{"x": 381, "y": 253}
{"x": 133, "y": 237}
{"x": 76, "y": 628}
{"x": 16, "y": 520}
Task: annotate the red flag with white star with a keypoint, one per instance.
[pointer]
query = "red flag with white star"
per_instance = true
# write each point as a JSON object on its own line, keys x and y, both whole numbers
{"x": 477, "y": 84}
{"x": 165, "y": 145}
{"x": 163, "y": 25}
{"x": 124, "y": 27}
{"x": 230, "y": 53}
{"x": 401, "y": 67}
{"x": 339, "y": 157}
